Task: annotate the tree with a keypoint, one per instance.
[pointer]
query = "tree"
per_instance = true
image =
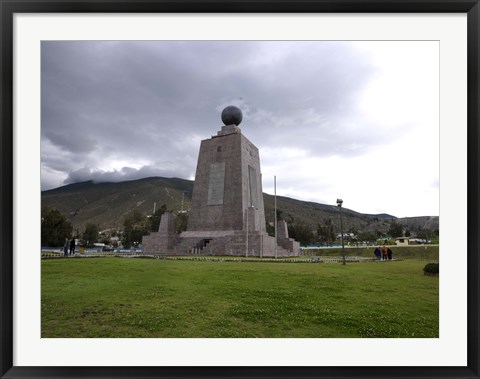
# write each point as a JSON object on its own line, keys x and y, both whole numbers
{"x": 326, "y": 233}
{"x": 301, "y": 233}
{"x": 367, "y": 236}
{"x": 154, "y": 220}
{"x": 395, "y": 230}
{"x": 270, "y": 229}
{"x": 90, "y": 235}
{"x": 181, "y": 222}
{"x": 279, "y": 215}
{"x": 135, "y": 226}
{"x": 55, "y": 227}
{"x": 323, "y": 234}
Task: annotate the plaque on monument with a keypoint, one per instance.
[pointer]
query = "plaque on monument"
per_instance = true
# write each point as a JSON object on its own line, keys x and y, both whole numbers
{"x": 216, "y": 182}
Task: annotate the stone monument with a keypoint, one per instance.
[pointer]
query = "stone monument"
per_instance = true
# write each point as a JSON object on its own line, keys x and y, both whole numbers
{"x": 227, "y": 215}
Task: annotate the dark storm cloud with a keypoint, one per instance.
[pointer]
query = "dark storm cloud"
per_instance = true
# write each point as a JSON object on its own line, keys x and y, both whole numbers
{"x": 118, "y": 110}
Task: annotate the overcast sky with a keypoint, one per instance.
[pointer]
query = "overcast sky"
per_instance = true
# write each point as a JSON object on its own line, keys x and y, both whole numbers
{"x": 351, "y": 120}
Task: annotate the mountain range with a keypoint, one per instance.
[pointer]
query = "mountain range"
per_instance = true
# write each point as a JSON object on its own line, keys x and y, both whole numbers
{"x": 107, "y": 204}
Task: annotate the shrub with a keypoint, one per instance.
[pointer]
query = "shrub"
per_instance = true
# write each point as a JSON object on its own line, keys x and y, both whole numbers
{"x": 431, "y": 269}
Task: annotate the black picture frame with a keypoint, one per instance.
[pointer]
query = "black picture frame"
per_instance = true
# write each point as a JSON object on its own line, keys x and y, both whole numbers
{"x": 9, "y": 8}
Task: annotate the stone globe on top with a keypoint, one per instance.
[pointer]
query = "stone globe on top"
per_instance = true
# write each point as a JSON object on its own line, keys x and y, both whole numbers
{"x": 232, "y": 115}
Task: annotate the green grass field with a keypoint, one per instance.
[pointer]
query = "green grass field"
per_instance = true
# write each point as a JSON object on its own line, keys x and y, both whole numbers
{"x": 122, "y": 297}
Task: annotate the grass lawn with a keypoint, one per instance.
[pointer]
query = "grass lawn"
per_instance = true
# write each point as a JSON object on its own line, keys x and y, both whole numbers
{"x": 122, "y": 297}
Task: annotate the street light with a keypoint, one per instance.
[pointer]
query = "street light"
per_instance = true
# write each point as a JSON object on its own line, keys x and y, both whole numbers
{"x": 339, "y": 204}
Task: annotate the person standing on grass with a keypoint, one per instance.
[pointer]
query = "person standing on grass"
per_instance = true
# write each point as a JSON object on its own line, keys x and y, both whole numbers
{"x": 65, "y": 248}
{"x": 377, "y": 252}
{"x": 72, "y": 246}
{"x": 389, "y": 254}
{"x": 384, "y": 251}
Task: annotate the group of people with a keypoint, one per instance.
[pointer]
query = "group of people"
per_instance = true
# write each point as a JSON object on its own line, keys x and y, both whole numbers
{"x": 69, "y": 245}
{"x": 383, "y": 253}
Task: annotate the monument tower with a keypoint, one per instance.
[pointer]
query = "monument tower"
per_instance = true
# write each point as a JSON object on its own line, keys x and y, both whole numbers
{"x": 227, "y": 215}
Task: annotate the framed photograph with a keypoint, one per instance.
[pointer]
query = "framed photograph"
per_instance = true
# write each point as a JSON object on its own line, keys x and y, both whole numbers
{"x": 437, "y": 40}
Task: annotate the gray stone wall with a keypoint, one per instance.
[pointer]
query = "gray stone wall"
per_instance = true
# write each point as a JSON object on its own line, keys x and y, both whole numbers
{"x": 252, "y": 183}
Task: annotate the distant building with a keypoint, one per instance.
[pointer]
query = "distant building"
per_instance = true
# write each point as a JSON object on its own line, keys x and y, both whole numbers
{"x": 345, "y": 235}
{"x": 402, "y": 241}
{"x": 405, "y": 241}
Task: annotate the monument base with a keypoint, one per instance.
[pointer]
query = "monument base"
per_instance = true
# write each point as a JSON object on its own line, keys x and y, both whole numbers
{"x": 219, "y": 242}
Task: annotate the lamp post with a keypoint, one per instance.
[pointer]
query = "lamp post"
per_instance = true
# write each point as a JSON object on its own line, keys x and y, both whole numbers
{"x": 339, "y": 204}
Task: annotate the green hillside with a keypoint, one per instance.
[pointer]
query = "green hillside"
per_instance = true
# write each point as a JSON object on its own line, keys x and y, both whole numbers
{"x": 107, "y": 204}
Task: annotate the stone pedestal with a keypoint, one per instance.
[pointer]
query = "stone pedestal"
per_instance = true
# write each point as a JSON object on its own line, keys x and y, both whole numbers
{"x": 164, "y": 240}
